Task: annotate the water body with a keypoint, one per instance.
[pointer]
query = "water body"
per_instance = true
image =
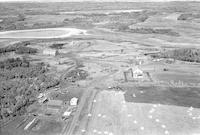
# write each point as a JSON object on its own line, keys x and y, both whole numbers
{"x": 43, "y": 33}
{"x": 103, "y": 11}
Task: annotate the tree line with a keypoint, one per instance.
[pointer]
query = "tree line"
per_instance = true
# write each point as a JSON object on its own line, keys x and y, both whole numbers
{"x": 183, "y": 54}
{"x": 19, "y": 48}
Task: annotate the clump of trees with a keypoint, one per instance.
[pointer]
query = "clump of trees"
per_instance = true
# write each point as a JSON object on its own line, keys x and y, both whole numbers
{"x": 183, "y": 54}
{"x": 75, "y": 75}
{"x": 17, "y": 95}
{"x": 22, "y": 43}
{"x": 153, "y": 31}
{"x": 188, "y": 16}
{"x": 26, "y": 50}
{"x": 13, "y": 23}
{"x": 112, "y": 20}
{"x": 7, "y": 49}
{"x": 21, "y": 17}
{"x": 184, "y": 16}
{"x": 19, "y": 48}
{"x": 20, "y": 82}
{"x": 57, "y": 46}
{"x": 14, "y": 62}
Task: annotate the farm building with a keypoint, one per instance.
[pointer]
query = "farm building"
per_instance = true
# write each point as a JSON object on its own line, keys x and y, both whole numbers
{"x": 43, "y": 99}
{"x": 67, "y": 113}
{"x": 137, "y": 73}
{"x": 50, "y": 52}
{"x": 41, "y": 95}
{"x": 74, "y": 101}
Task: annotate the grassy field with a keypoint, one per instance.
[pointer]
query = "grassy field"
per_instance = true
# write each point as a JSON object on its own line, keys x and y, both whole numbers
{"x": 112, "y": 115}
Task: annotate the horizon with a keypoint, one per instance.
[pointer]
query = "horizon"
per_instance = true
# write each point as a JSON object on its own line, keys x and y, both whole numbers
{"x": 46, "y": 1}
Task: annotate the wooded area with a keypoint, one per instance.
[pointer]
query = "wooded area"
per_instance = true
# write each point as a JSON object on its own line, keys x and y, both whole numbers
{"x": 20, "y": 82}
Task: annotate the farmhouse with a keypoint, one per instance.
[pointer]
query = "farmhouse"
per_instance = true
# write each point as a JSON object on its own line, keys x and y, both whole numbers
{"x": 137, "y": 73}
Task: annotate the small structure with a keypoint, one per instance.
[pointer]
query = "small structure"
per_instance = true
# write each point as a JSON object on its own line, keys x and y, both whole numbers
{"x": 67, "y": 113}
{"x": 139, "y": 61}
{"x": 156, "y": 60}
{"x": 74, "y": 101}
{"x": 170, "y": 60}
{"x": 41, "y": 95}
{"x": 43, "y": 99}
{"x": 50, "y": 52}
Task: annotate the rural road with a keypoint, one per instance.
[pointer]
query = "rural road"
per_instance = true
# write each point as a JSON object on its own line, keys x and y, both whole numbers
{"x": 88, "y": 91}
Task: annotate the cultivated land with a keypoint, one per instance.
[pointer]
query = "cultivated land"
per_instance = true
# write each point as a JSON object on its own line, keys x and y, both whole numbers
{"x": 53, "y": 52}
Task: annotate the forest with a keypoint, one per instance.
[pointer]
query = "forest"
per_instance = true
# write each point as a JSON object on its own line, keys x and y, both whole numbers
{"x": 20, "y": 83}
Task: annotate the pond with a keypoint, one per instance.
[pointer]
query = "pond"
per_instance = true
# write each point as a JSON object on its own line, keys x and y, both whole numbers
{"x": 43, "y": 33}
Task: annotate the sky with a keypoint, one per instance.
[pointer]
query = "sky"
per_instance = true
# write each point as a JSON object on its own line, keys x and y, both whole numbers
{"x": 93, "y": 0}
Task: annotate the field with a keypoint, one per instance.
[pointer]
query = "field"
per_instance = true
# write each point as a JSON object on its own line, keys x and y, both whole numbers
{"x": 133, "y": 68}
{"x": 183, "y": 96}
{"x": 111, "y": 114}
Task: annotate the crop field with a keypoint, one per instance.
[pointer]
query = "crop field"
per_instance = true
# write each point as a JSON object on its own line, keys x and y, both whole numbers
{"x": 183, "y": 96}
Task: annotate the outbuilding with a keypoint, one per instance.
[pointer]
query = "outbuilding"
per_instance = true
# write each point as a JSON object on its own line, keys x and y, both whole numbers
{"x": 43, "y": 99}
{"x": 41, "y": 95}
{"x": 74, "y": 101}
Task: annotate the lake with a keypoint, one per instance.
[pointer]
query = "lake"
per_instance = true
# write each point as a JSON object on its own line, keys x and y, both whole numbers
{"x": 43, "y": 33}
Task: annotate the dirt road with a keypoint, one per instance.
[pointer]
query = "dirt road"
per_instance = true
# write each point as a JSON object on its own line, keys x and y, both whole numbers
{"x": 68, "y": 130}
